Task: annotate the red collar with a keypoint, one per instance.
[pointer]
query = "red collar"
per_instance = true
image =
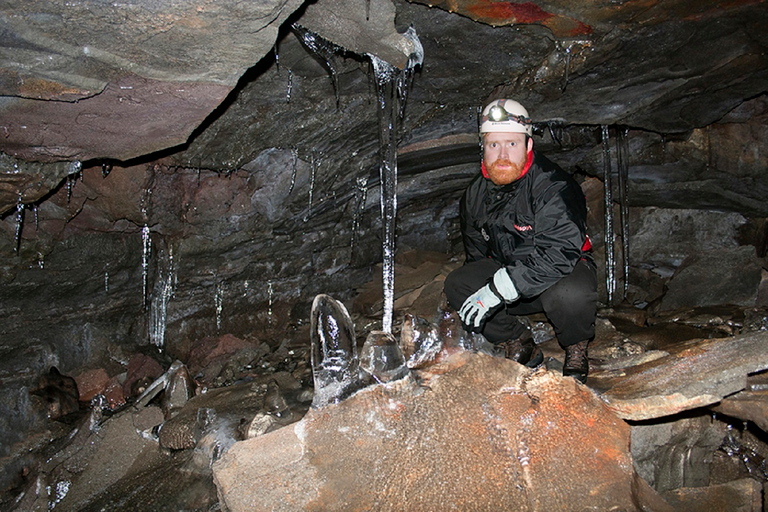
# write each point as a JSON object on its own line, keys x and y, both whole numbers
{"x": 528, "y": 163}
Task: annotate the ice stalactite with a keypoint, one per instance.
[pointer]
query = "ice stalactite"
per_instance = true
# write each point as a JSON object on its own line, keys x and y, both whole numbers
{"x": 622, "y": 163}
{"x": 567, "y": 67}
{"x": 610, "y": 261}
{"x": 270, "y": 293}
{"x": 325, "y": 50}
{"x": 361, "y": 196}
{"x": 146, "y": 254}
{"x": 106, "y": 280}
{"x": 276, "y": 52}
{"x": 161, "y": 295}
{"x": 218, "y": 300}
{"x": 72, "y": 173}
{"x": 556, "y": 132}
{"x": 290, "y": 87}
{"x": 392, "y": 86}
{"x": 19, "y": 223}
{"x": 294, "y": 163}
{"x": 314, "y": 164}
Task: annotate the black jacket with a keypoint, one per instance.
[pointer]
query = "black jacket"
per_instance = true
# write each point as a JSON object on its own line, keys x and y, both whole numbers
{"x": 535, "y": 226}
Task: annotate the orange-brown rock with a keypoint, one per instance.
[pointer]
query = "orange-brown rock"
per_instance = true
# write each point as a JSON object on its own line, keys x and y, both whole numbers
{"x": 91, "y": 382}
{"x": 482, "y": 434}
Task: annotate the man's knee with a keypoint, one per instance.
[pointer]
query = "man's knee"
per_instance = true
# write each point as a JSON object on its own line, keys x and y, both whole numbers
{"x": 578, "y": 291}
{"x": 467, "y": 279}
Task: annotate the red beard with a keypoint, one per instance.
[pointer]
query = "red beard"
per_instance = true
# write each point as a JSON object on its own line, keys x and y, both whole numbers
{"x": 511, "y": 171}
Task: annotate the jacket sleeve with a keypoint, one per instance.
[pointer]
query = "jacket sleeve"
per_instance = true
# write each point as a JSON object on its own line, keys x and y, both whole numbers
{"x": 475, "y": 246}
{"x": 560, "y": 234}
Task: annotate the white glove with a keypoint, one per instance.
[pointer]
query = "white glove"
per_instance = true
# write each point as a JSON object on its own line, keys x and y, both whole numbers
{"x": 480, "y": 304}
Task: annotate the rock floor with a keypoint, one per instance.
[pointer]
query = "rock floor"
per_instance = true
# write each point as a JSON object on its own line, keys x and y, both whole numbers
{"x": 692, "y": 384}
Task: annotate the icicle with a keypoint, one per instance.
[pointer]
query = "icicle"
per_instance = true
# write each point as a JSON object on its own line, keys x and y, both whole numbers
{"x": 269, "y": 301}
{"x": 106, "y": 168}
{"x": 622, "y": 162}
{"x": 106, "y": 281}
{"x": 218, "y": 299}
{"x": 567, "y": 66}
{"x": 556, "y": 132}
{"x": 361, "y": 195}
{"x": 277, "y": 57}
{"x": 145, "y": 256}
{"x": 74, "y": 169}
{"x": 295, "y": 158}
{"x": 161, "y": 295}
{"x": 34, "y": 210}
{"x": 610, "y": 263}
{"x": 313, "y": 166}
{"x": 387, "y": 102}
{"x": 325, "y": 50}
{"x": 391, "y": 85}
{"x": 290, "y": 86}
{"x": 19, "y": 223}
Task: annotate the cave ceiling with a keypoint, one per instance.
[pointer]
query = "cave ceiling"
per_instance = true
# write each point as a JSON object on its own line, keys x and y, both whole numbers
{"x": 211, "y": 84}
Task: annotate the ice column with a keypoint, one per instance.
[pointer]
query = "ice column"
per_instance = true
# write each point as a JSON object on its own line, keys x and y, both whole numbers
{"x": 610, "y": 261}
{"x": 392, "y": 86}
{"x": 622, "y": 162}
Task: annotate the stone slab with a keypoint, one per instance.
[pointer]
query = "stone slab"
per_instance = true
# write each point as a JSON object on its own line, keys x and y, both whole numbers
{"x": 696, "y": 373}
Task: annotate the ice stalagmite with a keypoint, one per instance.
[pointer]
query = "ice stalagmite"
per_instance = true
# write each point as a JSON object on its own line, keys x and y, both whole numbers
{"x": 392, "y": 86}
{"x": 335, "y": 363}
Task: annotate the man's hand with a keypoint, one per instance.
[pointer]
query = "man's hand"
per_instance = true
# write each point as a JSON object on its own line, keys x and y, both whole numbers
{"x": 478, "y": 306}
{"x": 484, "y": 301}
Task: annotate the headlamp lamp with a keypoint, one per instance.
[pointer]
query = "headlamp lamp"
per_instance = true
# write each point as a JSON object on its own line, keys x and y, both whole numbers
{"x": 499, "y": 114}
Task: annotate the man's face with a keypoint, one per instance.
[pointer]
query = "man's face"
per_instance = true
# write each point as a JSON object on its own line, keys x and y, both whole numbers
{"x": 505, "y": 155}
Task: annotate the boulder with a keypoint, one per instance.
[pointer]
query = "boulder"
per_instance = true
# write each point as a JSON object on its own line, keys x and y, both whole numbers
{"x": 723, "y": 276}
{"x": 474, "y": 432}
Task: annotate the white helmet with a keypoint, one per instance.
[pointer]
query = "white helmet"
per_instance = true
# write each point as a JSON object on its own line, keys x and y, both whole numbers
{"x": 506, "y": 116}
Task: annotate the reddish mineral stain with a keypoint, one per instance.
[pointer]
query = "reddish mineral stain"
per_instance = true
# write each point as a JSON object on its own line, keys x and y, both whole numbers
{"x": 527, "y": 12}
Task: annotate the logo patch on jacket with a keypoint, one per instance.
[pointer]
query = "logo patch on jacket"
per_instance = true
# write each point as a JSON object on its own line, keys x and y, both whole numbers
{"x": 524, "y": 228}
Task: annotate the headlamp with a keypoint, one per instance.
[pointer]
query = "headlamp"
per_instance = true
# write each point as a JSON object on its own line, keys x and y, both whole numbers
{"x": 499, "y": 114}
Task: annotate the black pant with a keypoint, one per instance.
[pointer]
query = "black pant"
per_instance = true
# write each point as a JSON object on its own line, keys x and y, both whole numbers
{"x": 570, "y": 304}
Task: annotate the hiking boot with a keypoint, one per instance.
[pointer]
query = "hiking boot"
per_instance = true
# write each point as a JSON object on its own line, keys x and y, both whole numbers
{"x": 523, "y": 350}
{"x": 576, "y": 361}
